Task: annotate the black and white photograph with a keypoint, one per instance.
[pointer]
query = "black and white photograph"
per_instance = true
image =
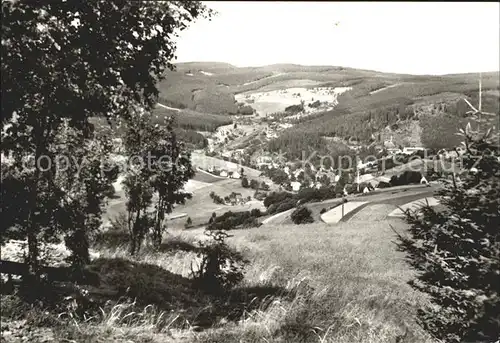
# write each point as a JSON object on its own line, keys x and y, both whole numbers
{"x": 250, "y": 172}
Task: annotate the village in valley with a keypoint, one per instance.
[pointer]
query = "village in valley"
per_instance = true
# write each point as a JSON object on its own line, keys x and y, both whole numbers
{"x": 290, "y": 179}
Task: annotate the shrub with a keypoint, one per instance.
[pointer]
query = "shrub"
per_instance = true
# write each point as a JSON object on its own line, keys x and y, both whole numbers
{"x": 110, "y": 191}
{"x": 456, "y": 251}
{"x": 276, "y": 197}
{"x": 255, "y": 212}
{"x": 233, "y": 220}
{"x": 217, "y": 199}
{"x": 313, "y": 194}
{"x": 386, "y": 163}
{"x": 244, "y": 183}
{"x": 189, "y": 222}
{"x": 383, "y": 184}
{"x": 323, "y": 210}
{"x": 254, "y": 184}
{"x": 407, "y": 178}
{"x": 295, "y": 109}
{"x": 315, "y": 104}
{"x": 286, "y": 205}
{"x": 302, "y": 215}
{"x": 259, "y": 195}
{"x": 246, "y": 110}
{"x": 221, "y": 267}
{"x": 272, "y": 209}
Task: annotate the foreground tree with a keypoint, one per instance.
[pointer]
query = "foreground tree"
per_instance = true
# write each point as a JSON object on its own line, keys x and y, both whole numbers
{"x": 457, "y": 251}
{"x": 63, "y": 62}
{"x": 159, "y": 166}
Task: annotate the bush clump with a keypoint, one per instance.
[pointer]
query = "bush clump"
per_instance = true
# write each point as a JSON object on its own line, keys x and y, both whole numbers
{"x": 245, "y": 183}
{"x": 407, "y": 178}
{"x": 221, "y": 267}
{"x": 302, "y": 215}
{"x": 234, "y": 220}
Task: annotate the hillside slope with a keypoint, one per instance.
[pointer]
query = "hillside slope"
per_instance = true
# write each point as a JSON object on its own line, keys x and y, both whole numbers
{"x": 376, "y": 106}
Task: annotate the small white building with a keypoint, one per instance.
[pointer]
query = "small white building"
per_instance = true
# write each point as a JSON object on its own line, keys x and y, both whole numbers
{"x": 366, "y": 190}
{"x": 236, "y": 175}
{"x": 424, "y": 181}
{"x": 223, "y": 173}
{"x": 295, "y": 186}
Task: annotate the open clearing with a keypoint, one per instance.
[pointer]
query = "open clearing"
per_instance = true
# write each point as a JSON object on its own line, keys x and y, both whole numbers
{"x": 267, "y": 102}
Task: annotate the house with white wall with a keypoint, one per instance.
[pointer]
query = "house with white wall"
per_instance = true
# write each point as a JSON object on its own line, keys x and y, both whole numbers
{"x": 295, "y": 186}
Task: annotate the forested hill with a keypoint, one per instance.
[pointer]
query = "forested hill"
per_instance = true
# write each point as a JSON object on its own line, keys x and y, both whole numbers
{"x": 379, "y": 105}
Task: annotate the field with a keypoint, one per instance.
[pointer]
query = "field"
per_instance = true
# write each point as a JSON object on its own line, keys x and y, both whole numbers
{"x": 310, "y": 283}
{"x": 349, "y": 296}
{"x": 201, "y": 206}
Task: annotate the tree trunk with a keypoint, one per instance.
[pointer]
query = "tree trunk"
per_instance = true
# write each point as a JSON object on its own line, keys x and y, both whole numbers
{"x": 135, "y": 243}
{"x": 32, "y": 228}
{"x": 160, "y": 216}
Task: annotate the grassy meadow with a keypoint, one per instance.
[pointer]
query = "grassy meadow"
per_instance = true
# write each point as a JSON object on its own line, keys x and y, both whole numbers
{"x": 306, "y": 283}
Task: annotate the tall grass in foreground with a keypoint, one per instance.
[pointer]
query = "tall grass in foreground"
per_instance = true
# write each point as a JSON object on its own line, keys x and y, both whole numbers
{"x": 344, "y": 283}
{"x": 353, "y": 286}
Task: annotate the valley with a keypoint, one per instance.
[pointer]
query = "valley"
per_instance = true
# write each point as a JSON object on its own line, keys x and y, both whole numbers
{"x": 150, "y": 200}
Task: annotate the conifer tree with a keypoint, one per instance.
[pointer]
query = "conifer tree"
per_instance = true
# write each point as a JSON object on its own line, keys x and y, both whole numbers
{"x": 457, "y": 251}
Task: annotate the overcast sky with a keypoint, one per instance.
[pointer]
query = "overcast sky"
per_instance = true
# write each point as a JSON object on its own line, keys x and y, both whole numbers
{"x": 414, "y": 38}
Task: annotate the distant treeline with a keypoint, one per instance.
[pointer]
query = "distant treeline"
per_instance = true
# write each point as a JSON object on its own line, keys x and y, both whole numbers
{"x": 347, "y": 121}
{"x": 190, "y": 120}
{"x": 308, "y": 145}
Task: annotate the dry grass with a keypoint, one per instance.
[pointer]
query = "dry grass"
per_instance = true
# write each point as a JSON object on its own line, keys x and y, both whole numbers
{"x": 348, "y": 284}
{"x": 359, "y": 291}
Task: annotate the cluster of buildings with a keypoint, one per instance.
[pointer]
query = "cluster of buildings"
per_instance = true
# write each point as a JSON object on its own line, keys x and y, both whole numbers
{"x": 232, "y": 174}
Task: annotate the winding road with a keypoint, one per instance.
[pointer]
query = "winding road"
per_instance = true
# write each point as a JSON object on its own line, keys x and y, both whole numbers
{"x": 378, "y": 205}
